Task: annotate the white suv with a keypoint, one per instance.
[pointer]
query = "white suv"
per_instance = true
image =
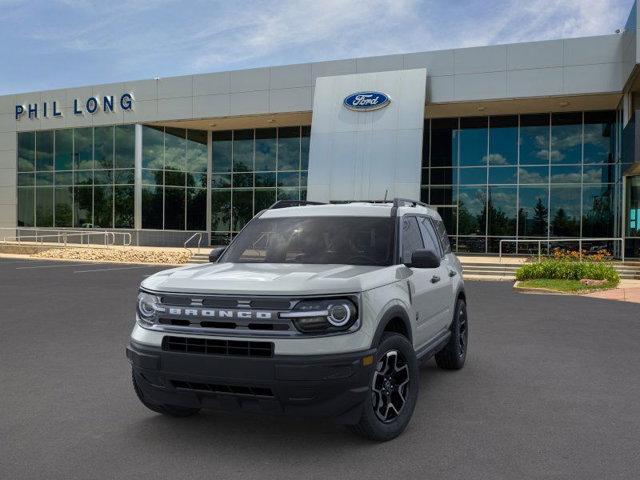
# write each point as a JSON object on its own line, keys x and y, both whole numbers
{"x": 313, "y": 309}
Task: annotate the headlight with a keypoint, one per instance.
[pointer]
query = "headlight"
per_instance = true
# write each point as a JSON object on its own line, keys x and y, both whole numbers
{"x": 148, "y": 306}
{"x": 324, "y": 316}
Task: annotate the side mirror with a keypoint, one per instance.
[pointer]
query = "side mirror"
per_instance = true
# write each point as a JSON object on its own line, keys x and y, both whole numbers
{"x": 216, "y": 253}
{"x": 424, "y": 259}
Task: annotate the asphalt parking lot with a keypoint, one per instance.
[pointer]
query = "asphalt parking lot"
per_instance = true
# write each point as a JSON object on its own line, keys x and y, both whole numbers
{"x": 551, "y": 390}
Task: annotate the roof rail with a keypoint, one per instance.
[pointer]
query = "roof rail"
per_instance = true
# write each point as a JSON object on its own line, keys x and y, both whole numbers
{"x": 400, "y": 202}
{"x": 293, "y": 203}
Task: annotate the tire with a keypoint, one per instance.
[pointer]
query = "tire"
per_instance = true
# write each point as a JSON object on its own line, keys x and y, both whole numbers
{"x": 169, "y": 410}
{"x": 390, "y": 389}
{"x": 454, "y": 354}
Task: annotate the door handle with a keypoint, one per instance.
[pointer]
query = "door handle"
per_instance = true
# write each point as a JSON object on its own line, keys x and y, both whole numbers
{"x": 435, "y": 279}
{"x": 452, "y": 273}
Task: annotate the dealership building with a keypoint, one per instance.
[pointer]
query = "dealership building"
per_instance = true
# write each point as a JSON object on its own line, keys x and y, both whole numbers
{"x": 518, "y": 142}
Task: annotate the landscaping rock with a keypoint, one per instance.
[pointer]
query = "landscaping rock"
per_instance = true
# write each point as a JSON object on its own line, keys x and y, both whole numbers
{"x": 593, "y": 283}
{"x": 119, "y": 255}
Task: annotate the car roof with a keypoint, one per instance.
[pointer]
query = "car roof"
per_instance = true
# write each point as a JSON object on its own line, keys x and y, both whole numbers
{"x": 352, "y": 209}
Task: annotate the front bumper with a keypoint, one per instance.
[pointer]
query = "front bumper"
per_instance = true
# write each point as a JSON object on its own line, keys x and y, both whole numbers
{"x": 321, "y": 385}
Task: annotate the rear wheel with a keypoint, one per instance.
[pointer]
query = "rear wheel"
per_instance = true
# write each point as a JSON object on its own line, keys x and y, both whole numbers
{"x": 393, "y": 390}
{"x": 170, "y": 410}
{"x": 454, "y": 354}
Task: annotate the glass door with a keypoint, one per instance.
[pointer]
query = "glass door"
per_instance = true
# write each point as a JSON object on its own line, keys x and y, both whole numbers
{"x": 632, "y": 216}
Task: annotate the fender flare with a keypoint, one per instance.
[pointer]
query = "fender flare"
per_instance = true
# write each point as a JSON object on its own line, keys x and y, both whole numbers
{"x": 395, "y": 311}
{"x": 461, "y": 293}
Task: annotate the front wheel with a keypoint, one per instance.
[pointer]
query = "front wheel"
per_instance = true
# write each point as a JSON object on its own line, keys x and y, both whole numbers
{"x": 393, "y": 390}
{"x": 454, "y": 354}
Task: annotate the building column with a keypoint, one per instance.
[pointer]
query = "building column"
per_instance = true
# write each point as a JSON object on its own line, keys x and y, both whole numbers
{"x": 137, "y": 210}
{"x": 209, "y": 174}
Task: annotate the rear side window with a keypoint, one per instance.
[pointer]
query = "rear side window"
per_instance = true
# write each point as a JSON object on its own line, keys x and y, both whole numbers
{"x": 429, "y": 236}
{"x": 411, "y": 238}
{"x": 442, "y": 235}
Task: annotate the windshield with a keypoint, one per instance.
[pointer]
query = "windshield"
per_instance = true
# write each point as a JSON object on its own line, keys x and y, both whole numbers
{"x": 319, "y": 240}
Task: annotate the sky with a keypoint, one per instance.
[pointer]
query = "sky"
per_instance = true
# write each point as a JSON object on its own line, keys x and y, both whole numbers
{"x": 48, "y": 44}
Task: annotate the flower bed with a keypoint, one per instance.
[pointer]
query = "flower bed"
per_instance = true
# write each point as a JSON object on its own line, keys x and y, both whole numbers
{"x": 571, "y": 267}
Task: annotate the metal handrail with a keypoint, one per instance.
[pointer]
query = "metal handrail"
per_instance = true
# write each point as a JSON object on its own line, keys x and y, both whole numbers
{"x": 108, "y": 238}
{"x": 197, "y": 234}
{"x": 549, "y": 241}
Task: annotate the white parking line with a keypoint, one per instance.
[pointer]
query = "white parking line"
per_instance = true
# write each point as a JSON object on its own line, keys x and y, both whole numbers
{"x": 53, "y": 266}
{"x": 111, "y": 269}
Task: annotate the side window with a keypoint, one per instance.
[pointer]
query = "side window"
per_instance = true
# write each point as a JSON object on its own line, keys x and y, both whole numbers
{"x": 429, "y": 236}
{"x": 442, "y": 234}
{"x": 411, "y": 238}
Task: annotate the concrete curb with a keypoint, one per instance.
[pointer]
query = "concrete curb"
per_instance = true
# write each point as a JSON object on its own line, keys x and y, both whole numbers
{"x": 539, "y": 291}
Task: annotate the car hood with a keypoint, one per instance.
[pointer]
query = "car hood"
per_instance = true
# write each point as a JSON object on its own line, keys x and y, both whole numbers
{"x": 270, "y": 279}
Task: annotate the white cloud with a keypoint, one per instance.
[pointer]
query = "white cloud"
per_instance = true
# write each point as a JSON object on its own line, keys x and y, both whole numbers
{"x": 494, "y": 159}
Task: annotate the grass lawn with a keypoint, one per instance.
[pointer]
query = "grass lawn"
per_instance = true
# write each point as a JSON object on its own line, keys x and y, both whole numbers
{"x": 567, "y": 286}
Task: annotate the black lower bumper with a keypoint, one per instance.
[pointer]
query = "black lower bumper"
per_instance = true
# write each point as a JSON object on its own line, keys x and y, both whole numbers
{"x": 322, "y": 385}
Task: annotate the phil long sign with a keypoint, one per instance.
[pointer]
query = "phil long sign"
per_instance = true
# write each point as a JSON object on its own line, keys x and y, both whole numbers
{"x": 91, "y": 105}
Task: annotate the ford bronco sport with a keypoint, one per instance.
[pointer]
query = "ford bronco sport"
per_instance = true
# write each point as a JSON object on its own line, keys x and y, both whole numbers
{"x": 313, "y": 309}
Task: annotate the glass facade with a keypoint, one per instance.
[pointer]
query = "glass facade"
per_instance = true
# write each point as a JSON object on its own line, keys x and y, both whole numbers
{"x": 251, "y": 169}
{"x": 534, "y": 176}
{"x": 539, "y": 176}
{"x": 84, "y": 177}
{"x": 174, "y": 178}
{"x": 77, "y": 177}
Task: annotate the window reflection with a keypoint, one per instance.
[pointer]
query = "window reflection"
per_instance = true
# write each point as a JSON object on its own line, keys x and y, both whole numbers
{"x": 598, "y": 137}
{"x": 26, "y": 207}
{"x": 564, "y": 211}
{"x": 533, "y": 211}
{"x": 64, "y": 149}
{"x": 26, "y": 151}
{"x": 75, "y": 177}
{"x": 473, "y": 141}
{"x": 566, "y": 138}
{"x": 533, "y": 175}
{"x": 266, "y": 149}
{"x": 504, "y": 175}
{"x": 534, "y": 139}
{"x": 501, "y": 211}
{"x": 279, "y": 172}
{"x": 566, "y": 174}
{"x": 174, "y": 199}
{"x": 44, "y": 150}
{"x": 243, "y": 151}
{"x": 473, "y": 176}
{"x": 221, "y": 151}
{"x": 597, "y": 211}
{"x": 503, "y": 141}
{"x": 44, "y": 206}
{"x": 471, "y": 211}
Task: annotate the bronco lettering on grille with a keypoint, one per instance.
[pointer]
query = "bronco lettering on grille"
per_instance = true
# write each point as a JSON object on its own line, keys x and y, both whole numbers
{"x": 209, "y": 312}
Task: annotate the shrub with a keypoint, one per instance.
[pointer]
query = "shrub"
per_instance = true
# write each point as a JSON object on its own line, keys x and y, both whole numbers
{"x": 568, "y": 270}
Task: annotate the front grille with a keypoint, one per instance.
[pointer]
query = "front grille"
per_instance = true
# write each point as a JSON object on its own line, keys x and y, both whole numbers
{"x": 191, "y": 313}
{"x": 229, "y": 389}
{"x": 206, "y": 346}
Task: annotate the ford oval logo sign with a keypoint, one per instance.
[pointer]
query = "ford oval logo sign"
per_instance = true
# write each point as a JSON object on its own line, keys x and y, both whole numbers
{"x": 366, "y": 101}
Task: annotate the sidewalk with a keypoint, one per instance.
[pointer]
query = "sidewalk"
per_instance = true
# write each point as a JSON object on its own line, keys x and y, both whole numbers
{"x": 627, "y": 291}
